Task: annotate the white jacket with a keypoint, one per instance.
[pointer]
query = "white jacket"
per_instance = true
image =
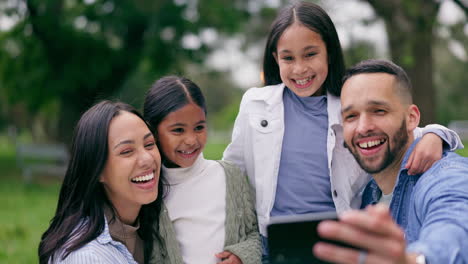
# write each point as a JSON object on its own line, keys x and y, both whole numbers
{"x": 257, "y": 150}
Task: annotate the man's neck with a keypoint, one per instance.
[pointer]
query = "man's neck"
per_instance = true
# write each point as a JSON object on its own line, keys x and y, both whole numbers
{"x": 386, "y": 179}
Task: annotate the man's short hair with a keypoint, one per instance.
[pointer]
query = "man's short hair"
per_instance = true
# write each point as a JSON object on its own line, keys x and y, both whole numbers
{"x": 383, "y": 66}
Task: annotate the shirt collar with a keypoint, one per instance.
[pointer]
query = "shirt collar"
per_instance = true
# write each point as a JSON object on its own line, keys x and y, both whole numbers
{"x": 105, "y": 236}
{"x": 372, "y": 192}
{"x": 408, "y": 154}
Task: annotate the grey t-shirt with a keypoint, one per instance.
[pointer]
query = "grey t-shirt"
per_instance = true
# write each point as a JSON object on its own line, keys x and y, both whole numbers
{"x": 303, "y": 179}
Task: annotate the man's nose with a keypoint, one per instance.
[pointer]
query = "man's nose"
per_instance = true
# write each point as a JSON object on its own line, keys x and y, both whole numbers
{"x": 365, "y": 124}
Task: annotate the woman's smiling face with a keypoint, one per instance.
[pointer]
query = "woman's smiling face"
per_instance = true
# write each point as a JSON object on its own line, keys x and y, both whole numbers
{"x": 302, "y": 58}
{"x": 131, "y": 173}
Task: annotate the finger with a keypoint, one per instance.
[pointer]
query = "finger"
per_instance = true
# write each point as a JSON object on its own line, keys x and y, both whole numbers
{"x": 422, "y": 165}
{"x": 335, "y": 254}
{"x": 428, "y": 166}
{"x": 227, "y": 260}
{"x": 375, "y": 219}
{"x": 235, "y": 259}
{"x": 382, "y": 245}
{"x": 341, "y": 255}
{"x": 410, "y": 160}
{"x": 431, "y": 161}
{"x": 223, "y": 255}
{"x": 415, "y": 164}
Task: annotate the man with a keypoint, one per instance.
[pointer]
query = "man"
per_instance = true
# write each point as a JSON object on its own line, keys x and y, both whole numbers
{"x": 427, "y": 218}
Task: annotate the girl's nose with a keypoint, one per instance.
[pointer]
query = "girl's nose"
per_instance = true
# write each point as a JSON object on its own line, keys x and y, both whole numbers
{"x": 300, "y": 67}
{"x": 190, "y": 139}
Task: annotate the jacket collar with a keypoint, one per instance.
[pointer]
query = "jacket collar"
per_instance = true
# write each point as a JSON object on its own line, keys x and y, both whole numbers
{"x": 334, "y": 110}
{"x": 275, "y": 97}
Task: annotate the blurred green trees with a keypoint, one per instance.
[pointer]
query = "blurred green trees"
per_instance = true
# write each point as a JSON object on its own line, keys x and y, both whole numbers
{"x": 411, "y": 25}
{"x": 62, "y": 56}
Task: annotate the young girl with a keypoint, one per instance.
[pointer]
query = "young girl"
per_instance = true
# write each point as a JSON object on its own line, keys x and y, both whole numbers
{"x": 209, "y": 203}
{"x": 288, "y": 135}
{"x": 111, "y": 192}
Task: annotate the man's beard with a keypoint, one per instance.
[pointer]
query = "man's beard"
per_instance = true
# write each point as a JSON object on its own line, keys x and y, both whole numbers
{"x": 399, "y": 141}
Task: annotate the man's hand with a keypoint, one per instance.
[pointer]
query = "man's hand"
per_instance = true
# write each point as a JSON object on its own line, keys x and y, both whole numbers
{"x": 372, "y": 230}
{"x": 228, "y": 258}
{"x": 427, "y": 151}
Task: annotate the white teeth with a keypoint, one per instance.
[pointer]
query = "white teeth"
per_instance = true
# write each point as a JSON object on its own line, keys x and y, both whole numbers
{"x": 372, "y": 143}
{"x": 303, "y": 81}
{"x": 143, "y": 178}
{"x": 186, "y": 152}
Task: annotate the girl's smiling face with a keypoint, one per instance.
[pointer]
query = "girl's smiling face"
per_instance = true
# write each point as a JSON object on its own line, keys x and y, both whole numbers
{"x": 302, "y": 58}
{"x": 182, "y": 136}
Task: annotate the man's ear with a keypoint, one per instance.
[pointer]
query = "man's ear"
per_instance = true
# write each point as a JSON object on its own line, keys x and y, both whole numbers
{"x": 412, "y": 120}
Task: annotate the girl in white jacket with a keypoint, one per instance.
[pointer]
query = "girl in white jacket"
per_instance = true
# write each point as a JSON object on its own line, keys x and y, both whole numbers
{"x": 288, "y": 134}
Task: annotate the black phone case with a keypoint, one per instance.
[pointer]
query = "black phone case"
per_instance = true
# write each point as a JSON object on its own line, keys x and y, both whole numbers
{"x": 291, "y": 238}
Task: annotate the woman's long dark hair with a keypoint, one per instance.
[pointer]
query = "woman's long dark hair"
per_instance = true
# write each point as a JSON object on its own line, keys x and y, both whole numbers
{"x": 79, "y": 217}
{"x": 316, "y": 19}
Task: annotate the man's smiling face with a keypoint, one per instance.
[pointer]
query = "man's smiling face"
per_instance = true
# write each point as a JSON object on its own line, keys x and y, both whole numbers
{"x": 374, "y": 120}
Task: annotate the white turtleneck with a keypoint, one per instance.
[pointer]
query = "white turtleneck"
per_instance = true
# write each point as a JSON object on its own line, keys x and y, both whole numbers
{"x": 196, "y": 204}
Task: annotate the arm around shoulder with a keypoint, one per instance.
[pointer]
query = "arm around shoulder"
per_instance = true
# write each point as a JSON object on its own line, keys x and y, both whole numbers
{"x": 449, "y": 136}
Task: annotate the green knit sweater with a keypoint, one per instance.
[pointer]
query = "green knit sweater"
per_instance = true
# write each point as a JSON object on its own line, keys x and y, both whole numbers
{"x": 242, "y": 236}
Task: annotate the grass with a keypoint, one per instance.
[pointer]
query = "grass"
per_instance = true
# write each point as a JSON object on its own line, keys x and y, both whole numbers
{"x": 463, "y": 152}
{"x": 25, "y": 210}
{"x": 214, "y": 151}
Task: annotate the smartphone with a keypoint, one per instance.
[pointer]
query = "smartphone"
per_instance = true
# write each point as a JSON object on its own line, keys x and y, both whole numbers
{"x": 292, "y": 237}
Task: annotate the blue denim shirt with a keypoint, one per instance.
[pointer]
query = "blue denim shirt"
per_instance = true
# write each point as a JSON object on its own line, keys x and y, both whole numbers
{"x": 432, "y": 208}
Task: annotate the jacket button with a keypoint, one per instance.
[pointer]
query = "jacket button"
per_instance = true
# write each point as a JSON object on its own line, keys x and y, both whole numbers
{"x": 264, "y": 123}
{"x": 335, "y": 193}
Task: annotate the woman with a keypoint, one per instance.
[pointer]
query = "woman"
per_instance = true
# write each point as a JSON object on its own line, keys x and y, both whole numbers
{"x": 111, "y": 193}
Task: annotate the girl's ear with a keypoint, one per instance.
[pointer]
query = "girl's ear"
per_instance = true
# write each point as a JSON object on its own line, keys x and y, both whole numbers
{"x": 275, "y": 56}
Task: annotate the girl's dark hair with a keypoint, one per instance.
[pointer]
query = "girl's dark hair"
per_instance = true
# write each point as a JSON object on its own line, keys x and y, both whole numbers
{"x": 316, "y": 19}
{"x": 79, "y": 217}
{"x": 169, "y": 94}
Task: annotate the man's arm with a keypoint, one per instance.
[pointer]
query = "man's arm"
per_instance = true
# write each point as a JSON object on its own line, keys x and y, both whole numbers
{"x": 441, "y": 204}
